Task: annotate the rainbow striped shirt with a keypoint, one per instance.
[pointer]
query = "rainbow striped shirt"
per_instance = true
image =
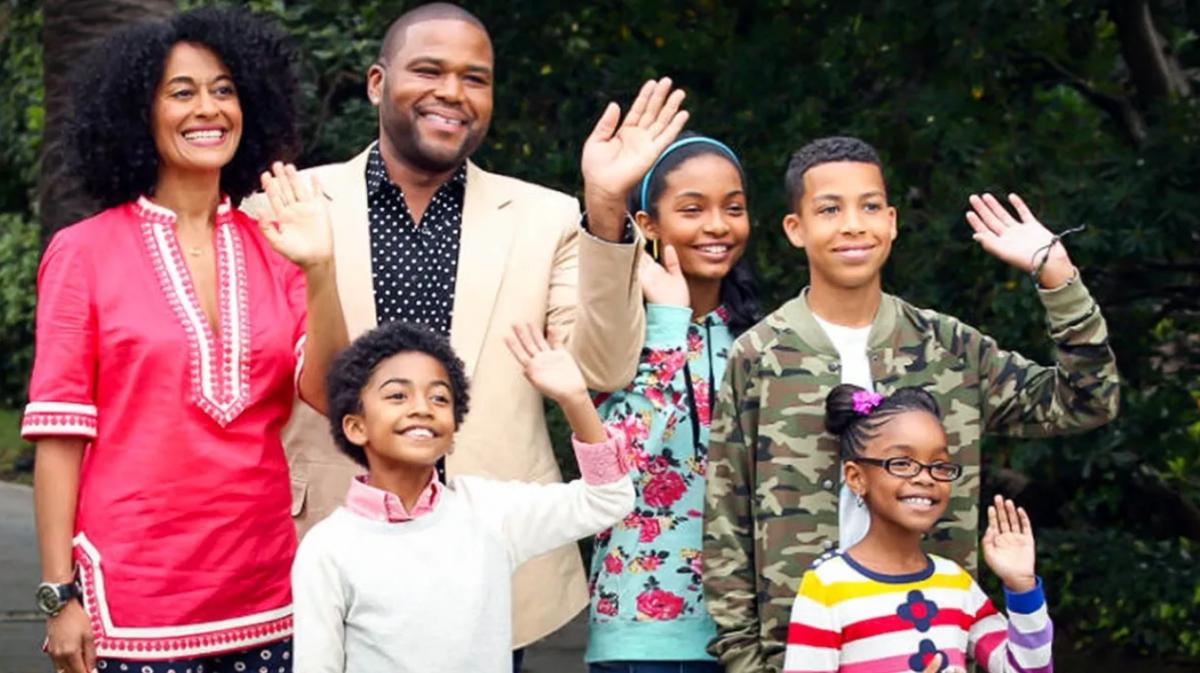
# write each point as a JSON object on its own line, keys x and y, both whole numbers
{"x": 849, "y": 619}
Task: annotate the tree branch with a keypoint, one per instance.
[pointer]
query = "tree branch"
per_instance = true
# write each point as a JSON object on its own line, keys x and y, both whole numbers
{"x": 1155, "y": 72}
{"x": 1120, "y": 109}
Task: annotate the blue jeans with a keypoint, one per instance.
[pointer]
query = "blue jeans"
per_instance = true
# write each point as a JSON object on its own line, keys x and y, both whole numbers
{"x": 655, "y": 667}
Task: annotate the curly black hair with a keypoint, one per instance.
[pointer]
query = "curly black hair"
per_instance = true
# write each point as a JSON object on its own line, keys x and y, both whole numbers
{"x": 353, "y": 367}
{"x": 111, "y": 143}
{"x": 739, "y": 288}
{"x": 824, "y": 151}
{"x": 854, "y": 429}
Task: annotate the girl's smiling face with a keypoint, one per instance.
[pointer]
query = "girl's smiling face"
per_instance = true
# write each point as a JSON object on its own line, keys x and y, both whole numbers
{"x": 913, "y": 504}
{"x": 701, "y": 211}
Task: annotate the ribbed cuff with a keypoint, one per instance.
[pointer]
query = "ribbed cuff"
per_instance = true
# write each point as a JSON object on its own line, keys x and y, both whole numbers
{"x": 1026, "y": 602}
{"x": 1068, "y": 303}
{"x": 667, "y": 326}
{"x": 602, "y": 463}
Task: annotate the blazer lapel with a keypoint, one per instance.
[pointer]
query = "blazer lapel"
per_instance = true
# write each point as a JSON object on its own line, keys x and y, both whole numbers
{"x": 487, "y": 234}
{"x": 346, "y": 186}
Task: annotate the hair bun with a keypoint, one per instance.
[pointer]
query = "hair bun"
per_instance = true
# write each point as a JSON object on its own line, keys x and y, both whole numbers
{"x": 839, "y": 408}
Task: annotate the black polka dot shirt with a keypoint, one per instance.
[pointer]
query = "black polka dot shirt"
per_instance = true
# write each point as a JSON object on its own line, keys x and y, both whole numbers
{"x": 413, "y": 267}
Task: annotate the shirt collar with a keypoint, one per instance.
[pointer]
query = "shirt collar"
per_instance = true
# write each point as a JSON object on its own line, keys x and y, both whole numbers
{"x": 377, "y": 504}
{"x": 717, "y": 316}
{"x": 377, "y": 176}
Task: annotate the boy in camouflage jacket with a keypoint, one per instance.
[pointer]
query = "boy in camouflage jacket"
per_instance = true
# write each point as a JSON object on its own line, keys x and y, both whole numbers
{"x": 773, "y": 476}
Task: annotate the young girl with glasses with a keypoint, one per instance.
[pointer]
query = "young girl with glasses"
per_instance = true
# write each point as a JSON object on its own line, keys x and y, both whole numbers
{"x": 885, "y": 605}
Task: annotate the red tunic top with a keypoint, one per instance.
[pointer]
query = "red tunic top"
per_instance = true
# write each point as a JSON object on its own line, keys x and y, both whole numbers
{"x": 183, "y": 535}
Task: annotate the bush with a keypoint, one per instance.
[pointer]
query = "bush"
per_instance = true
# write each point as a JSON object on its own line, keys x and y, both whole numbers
{"x": 19, "y": 252}
{"x": 1109, "y": 591}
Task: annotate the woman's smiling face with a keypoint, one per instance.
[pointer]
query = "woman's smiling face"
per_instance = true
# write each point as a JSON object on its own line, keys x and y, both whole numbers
{"x": 195, "y": 117}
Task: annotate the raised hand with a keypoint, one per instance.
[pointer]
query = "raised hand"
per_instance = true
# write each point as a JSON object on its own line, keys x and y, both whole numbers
{"x": 295, "y": 220}
{"x": 1018, "y": 241}
{"x": 547, "y": 364}
{"x": 616, "y": 156}
{"x": 664, "y": 283}
{"x": 1008, "y": 545}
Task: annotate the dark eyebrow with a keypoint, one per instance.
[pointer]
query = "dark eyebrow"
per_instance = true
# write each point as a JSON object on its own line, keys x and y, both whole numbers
{"x": 186, "y": 79}
{"x": 827, "y": 197}
{"x": 870, "y": 195}
{"x": 430, "y": 60}
{"x": 909, "y": 449}
{"x": 408, "y": 382}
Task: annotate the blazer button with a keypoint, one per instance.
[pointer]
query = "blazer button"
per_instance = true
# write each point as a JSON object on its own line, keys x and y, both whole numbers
{"x": 828, "y": 544}
{"x": 833, "y": 367}
{"x": 827, "y": 484}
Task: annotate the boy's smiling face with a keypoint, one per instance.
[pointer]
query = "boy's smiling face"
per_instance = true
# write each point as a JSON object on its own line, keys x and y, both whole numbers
{"x": 407, "y": 412}
{"x": 844, "y": 224}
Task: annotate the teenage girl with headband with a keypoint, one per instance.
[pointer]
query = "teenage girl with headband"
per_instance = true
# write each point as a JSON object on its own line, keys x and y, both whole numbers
{"x": 647, "y": 612}
{"x": 884, "y": 604}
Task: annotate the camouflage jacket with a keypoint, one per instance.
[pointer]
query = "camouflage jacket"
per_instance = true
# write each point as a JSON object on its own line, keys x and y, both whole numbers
{"x": 773, "y": 478}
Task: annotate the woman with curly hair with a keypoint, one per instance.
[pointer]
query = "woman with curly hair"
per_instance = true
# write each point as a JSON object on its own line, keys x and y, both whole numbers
{"x": 173, "y": 332}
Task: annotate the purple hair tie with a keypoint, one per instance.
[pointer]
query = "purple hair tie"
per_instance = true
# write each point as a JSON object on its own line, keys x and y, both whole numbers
{"x": 865, "y": 401}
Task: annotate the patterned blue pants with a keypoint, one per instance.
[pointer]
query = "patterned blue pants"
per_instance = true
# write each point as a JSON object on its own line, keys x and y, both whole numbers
{"x": 273, "y": 658}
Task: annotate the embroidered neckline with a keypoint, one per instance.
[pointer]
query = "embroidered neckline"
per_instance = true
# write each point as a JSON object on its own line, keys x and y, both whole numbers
{"x": 219, "y": 368}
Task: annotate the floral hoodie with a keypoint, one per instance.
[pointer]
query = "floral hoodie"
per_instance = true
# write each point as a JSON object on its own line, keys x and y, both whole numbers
{"x": 647, "y": 600}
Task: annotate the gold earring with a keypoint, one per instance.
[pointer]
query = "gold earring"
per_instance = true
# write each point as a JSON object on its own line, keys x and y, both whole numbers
{"x": 654, "y": 249}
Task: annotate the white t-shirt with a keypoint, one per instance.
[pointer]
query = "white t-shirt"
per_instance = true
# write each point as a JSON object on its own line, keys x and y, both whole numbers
{"x": 851, "y": 345}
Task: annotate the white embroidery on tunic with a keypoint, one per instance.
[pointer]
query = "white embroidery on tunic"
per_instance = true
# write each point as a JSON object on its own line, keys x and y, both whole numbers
{"x": 219, "y": 369}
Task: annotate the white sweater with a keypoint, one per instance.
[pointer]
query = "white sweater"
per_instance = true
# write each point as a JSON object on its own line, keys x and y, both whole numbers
{"x": 433, "y": 594}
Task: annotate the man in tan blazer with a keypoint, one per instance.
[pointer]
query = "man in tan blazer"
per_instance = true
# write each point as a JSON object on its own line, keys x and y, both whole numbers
{"x": 423, "y": 234}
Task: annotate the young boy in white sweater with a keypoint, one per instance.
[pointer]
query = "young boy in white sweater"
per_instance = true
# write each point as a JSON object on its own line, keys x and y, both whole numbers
{"x": 411, "y": 575}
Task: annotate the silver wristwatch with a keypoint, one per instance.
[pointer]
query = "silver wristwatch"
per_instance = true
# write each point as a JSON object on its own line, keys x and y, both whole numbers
{"x": 52, "y": 598}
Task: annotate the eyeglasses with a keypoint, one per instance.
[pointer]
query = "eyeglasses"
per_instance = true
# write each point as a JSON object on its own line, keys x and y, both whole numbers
{"x": 908, "y": 468}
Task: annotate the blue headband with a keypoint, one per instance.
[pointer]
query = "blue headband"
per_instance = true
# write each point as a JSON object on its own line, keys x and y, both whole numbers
{"x": 681, "y": 143}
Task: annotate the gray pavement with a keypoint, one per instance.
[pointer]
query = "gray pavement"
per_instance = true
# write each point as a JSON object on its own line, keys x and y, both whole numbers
{"x": 22, "y": 630}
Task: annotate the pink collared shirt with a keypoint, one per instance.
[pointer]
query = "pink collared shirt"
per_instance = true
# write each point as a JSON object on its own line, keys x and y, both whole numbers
{"x": 377, "y": 504}
{"x": 599, "y": 464}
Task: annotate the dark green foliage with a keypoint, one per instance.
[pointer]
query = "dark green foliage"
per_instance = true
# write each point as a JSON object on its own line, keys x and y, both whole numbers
{"x": 18, "y": 270}
{"x": 21, "y": 118}
{"x": 1035, "y": 97}
{"x": 1111, "y": 588}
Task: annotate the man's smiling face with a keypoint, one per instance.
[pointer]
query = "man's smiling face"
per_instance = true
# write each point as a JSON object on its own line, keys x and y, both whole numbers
{"x": 434, "y": 94}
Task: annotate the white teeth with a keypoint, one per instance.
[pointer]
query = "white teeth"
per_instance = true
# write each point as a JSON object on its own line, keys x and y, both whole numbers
{"x": 203, "y": 135}
{"x": 925, "y": 502}
{"x": 445, "y": 120}
{"x": 419, "y": 433}
{"x": 715, "y": 249}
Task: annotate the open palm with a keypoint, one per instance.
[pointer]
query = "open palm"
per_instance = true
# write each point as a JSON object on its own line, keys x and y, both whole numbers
{"x": 546, "y": 363}
{"x": 1012, "y": 240}
{"x": 295, "y": 220}
{"x": 1008, "y": 546}
{"x": 616, "y": 156}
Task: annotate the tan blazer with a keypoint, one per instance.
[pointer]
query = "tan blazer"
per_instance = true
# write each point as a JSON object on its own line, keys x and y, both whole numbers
{"x": 522, "y": 258}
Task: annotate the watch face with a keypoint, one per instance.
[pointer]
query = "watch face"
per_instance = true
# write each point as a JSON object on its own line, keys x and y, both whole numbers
{"x": 48, "y": 600}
